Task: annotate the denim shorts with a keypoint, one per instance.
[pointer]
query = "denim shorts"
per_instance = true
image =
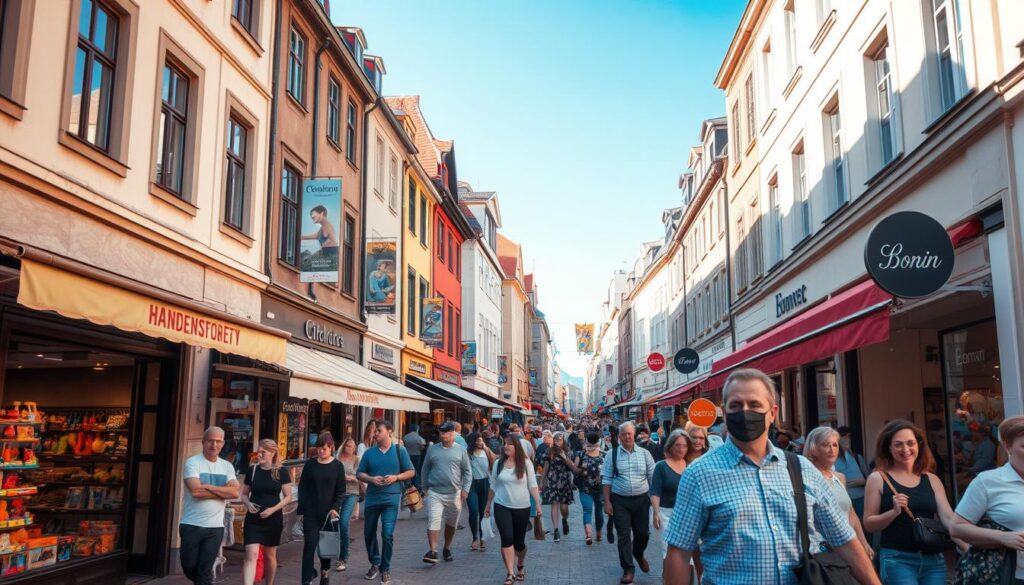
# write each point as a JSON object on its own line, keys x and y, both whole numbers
{"x": 898, "y": 567}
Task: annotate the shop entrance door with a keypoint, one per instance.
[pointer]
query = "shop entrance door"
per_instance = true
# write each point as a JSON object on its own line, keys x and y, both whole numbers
{"x": 153, "y": 416}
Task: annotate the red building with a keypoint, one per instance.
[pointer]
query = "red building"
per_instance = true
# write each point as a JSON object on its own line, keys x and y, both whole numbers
{"x": 451, "y": 228}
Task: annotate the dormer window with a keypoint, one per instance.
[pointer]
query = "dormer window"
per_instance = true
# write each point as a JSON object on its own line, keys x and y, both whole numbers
{"x": 373, "y": 72}
{"x": 357, "y": 50}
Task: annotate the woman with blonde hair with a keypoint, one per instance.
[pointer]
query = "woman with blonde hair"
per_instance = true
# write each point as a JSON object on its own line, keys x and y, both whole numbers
{"x": 699, "y": 438}
{"x": 822, "y": 449}
{"x": 353, "y": 487}
{"x": 264, "y": 521}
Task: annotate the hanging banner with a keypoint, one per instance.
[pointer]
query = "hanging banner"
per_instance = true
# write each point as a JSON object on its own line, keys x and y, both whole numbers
{"x": 502, "y": 369}
{"x": 468, "y": 358}
{"x": 321, "y": 216}
{"x": 380, "y": 276}
{"x": 432, "y": 325}
{"x": 585, "y": 338}
{"x": 533, "y": 377}
{"x": 909, "y": 255}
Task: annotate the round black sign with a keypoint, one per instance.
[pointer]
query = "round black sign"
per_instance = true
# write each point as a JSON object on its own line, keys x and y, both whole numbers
{"x": 686, "y": 360}
{"x": 909, "y": 255}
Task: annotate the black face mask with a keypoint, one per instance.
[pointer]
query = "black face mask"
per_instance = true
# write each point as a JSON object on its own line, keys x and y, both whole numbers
{"x": 745, "y": 425}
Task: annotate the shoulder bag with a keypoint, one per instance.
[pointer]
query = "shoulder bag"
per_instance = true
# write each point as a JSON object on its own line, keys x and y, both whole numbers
{"x": 411, "y": 497}
{"x": 929, "y": 534}
{"x": 825, "y": 568}
{"x": 987, "y": 566}
{"x": 328, "y": 545}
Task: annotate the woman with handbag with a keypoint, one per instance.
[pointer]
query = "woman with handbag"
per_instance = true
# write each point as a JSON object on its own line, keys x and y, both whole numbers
{"x": 822, "y": 449}
{"x": 991, "y": 515}
{"x": 513, "y": 482}
{"x": 321, "y": 494}
{"x": 587, "y": 466}
{"x": 481, "y": 460}
{"x": 558, "y": 482}
{"x": 264, "y": 520}
{"x": 901, "y": 499}
{"x": 353, "y": 488}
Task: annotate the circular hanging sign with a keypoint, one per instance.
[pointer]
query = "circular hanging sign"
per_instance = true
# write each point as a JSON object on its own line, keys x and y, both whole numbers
{"x": 702, "y": 412}
{"x": 686, "y": 360}
{"x": 656, "y": 362}
{"x": 909, "y": 255}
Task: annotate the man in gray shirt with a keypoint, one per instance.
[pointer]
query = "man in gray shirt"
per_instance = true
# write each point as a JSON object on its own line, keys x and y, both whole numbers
{"x": 447, "y": 477}
{"x": 415, "y": 444}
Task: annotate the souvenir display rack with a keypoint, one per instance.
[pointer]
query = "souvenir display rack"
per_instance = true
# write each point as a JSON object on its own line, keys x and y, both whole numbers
{"x": 20, "y": 547}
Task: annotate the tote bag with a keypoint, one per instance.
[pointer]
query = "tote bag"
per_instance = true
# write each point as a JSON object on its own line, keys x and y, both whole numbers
{"x": 329, "y": 545}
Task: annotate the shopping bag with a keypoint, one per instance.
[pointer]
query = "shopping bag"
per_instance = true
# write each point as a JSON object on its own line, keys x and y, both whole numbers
{"x": 260, "y": 568}
{"x": 487, "y": 528}
{"x": 329, "y": 545}
{"x": 538, "y": 527}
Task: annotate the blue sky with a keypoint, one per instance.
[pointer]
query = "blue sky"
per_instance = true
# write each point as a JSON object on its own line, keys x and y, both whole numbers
{"x": 579, "y": 114}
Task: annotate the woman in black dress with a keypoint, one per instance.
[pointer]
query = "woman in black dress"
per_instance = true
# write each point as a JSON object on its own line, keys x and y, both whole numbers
{"x": 321, "y": 494}
{"x": 558, "y": 484}
{"x": 261, "y": 494}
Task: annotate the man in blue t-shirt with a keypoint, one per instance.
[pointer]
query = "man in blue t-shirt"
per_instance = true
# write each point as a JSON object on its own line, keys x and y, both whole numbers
{"x": 382, "y": 468}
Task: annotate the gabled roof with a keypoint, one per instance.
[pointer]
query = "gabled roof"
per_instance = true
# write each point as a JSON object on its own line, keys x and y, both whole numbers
{"x": 429, "y": 154}
{"x": 473, "y": 223}
{"x": 528, "y": 282}
{"x": 510, "y": 256}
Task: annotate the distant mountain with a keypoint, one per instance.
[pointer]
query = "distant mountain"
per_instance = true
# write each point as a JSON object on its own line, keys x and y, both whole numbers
{"x": 565, "y": 378}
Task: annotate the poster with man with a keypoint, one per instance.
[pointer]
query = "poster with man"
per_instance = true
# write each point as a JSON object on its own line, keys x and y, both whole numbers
{"x": 380, "y": 276}
{"x": 321, "y": 216}
{"x": 432, "y": 326}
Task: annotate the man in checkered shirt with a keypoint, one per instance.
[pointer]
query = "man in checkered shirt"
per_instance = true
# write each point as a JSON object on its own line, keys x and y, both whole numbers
{"x": 736, "y": 503}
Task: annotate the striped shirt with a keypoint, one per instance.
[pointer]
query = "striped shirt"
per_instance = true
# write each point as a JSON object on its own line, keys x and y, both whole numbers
{"x": 744, "y": 516}
{"x": 635, "y": 472}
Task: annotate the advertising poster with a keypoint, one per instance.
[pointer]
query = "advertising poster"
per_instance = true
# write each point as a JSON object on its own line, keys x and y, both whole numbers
{"x": 380, "y": 276}
{"x": 321, "y": 220}
{"x": 432, "y": 326}
{"x": 502, "y": 369}
{"x": 585, "y": 338}
{"x": 533, "y": 376}
{"x": 468, "y": 358}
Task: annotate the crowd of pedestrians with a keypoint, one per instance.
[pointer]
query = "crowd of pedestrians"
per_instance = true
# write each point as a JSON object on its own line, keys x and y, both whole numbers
{"x": 736, "y": 504}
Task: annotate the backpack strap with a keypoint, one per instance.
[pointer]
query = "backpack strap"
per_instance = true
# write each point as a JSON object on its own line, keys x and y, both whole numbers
{"x": 615, "y": 461}
{"x": 796, "y": 478}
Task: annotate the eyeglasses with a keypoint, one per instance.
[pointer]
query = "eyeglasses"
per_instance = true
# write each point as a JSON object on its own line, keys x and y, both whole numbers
{"x": 901, "y": 445}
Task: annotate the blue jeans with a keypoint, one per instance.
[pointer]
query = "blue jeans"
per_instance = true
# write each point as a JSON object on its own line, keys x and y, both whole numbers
{"x": 417, "y": 464}
{"x": 477, "y": 500}
{"x": 348, "y": 504}
{"x": 384, "y": 510}
{"x": 897, "y": 567}
{"x": 593, "y": 509}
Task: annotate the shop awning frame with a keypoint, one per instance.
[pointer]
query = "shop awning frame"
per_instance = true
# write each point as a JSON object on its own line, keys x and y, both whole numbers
{"x": 462, "y": 396}
{"x": 318, "y": 375}
{"x": 678, "y": 395}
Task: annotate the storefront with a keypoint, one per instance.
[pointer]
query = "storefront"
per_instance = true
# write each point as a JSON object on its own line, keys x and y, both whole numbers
{"x": 95, "y": 377}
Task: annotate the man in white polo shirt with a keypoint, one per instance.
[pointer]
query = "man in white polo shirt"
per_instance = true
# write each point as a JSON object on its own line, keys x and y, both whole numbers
{"x": 209, "y": 482}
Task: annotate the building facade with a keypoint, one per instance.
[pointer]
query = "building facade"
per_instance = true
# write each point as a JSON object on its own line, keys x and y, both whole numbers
{"x": 515, "y": 324}
{"x": 482, "y": 278}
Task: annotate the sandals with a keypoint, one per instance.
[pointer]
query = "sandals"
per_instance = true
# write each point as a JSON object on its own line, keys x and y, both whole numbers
{"x": 510, "y": 580}
{"x": 483, "y": 545}
{"x": 590, "y": 541}
{"x": 521, "y": 574}
{"x": 474, "y": 546}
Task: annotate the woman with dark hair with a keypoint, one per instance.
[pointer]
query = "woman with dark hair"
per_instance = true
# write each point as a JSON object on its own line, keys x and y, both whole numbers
{"x": 513, "y": 483}
{"x": 557, "y": 483}
{"x": 903, "y": 487}
{"x": 321, "y": 496}
{"x": 587, "y": 466}
{"x": 665, "y": 482}
{"x": 480, "y": 460}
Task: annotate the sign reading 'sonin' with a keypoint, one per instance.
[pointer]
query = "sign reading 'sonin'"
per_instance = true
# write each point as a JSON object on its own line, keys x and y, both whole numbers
{"x": 909, "y": 255}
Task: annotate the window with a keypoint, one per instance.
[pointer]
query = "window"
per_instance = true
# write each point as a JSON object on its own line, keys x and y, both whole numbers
{"x": 333, "y": 110}
{"x": 95, "y": 70}
{"x": 833, "y": 129}
{"x": 297, "y": 65}
{"x": 350, "y": 133}
{"x": 717, "y": 305}
{"x": 349, "y": 256}
{"x": 411, "y": 212}
{"x": 774, "y": 222}
{"x": 235, "y": 185}
{"x": 801, "y": 198}
{"x": 410, "y": 301}
{"x": 380, "y": 163}
{"x": 15, "y": 39}
{"x": 741, "y": 254}
{"x": 886, "y": 105}
{"x": 393, "y": 183}
{"x": 822, "y": 9}
{"x": 242, "y": 11}
{"x": 423, "y": 219}
{"x": 755, "y": 241}
{"x": 737, "y": 149}
{"x": 170, "y": 162}
{"x": 748, "y": 91}
{"x": 789, "y": 15}
{"x": 451, "y": 252}
{"x": 290, "y": 221}
{"x": 767, "y": 90}
{"x": 450, "y": 334}
{"x": 440, "y": 240}
{"x": 949, "y": 48}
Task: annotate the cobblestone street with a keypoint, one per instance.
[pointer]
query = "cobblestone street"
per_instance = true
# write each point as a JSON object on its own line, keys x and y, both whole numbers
{"x": 570, "y": 561}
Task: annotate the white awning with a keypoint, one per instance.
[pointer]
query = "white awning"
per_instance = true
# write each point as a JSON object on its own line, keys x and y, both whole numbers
{"x": 318, "y": 375}
{"x": 467, "y": 397}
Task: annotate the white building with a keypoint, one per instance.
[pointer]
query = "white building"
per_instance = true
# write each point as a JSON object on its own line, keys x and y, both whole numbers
{"x": 481, "y": 288}
{"x": 603, "y": 371}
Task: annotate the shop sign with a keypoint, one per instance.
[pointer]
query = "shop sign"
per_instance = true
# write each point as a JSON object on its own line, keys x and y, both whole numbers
{"x": 383, "y": 353}
{"x": 964, "y": 358}
{"x": 317, "y": 332}
{"x": 785, "y": 303}
{"x": 655, "y": 362}
{"x": 702, "y": 412}
{"x": 379, "y": 265}
{"x": 909, "y": 255}
{"x": 417, "y": 367}
{"x": 321, "y": 220}
{"x": 502, "y": 369}
{"x": 468, "y": 358}
{"x": 497, "y": 412}
{"x": 447, "y": 377}
{"x": 361, "y": 398}
{"x": 686, "y": 360}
